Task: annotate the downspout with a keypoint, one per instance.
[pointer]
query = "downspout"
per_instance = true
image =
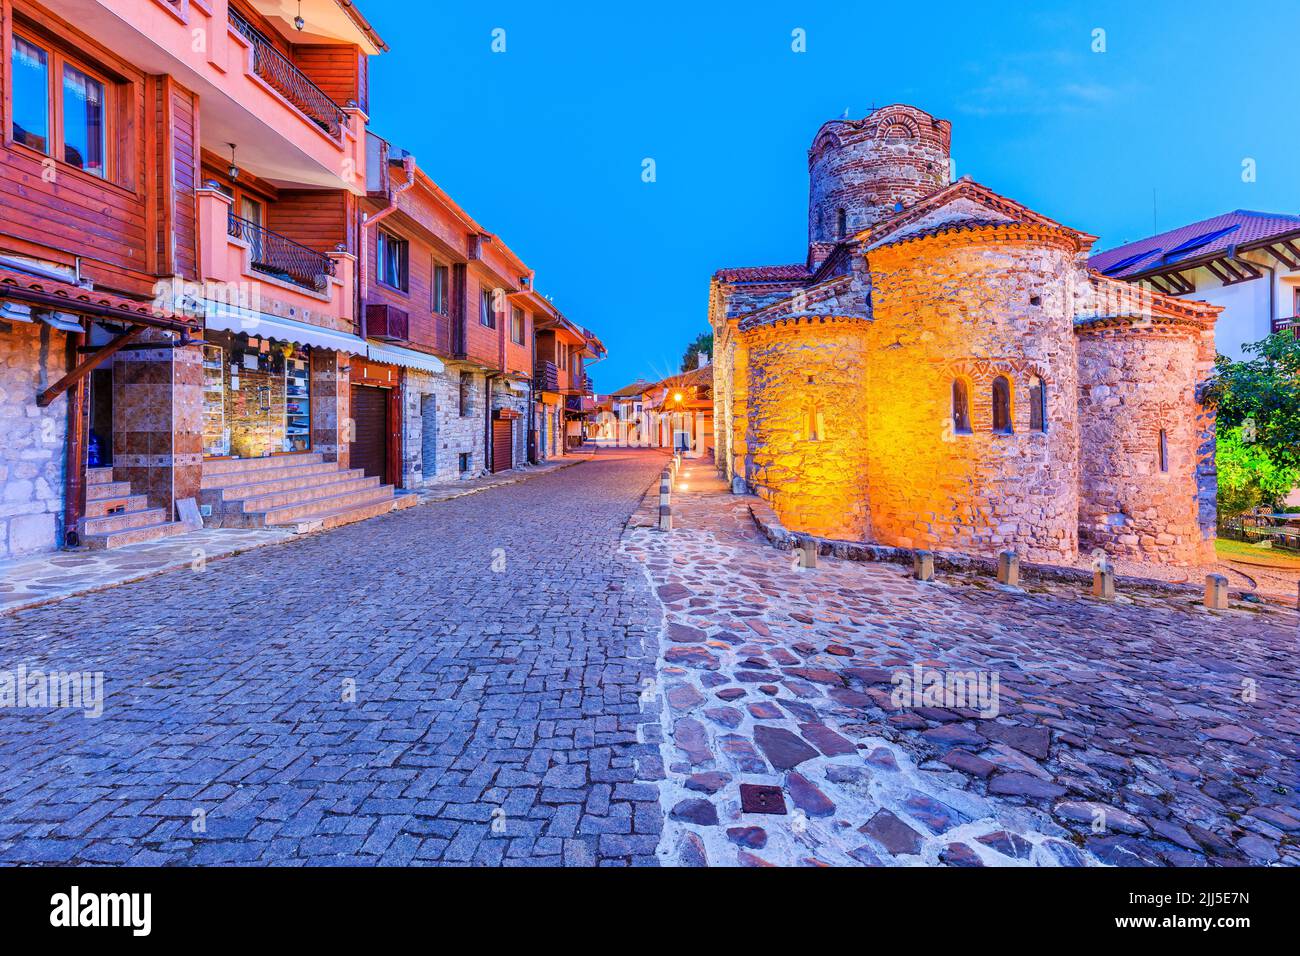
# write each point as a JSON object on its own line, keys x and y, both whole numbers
{"x": 74, "y": 493}
{"x": 363, "y": 260}
{"x": 1272, "y": 283}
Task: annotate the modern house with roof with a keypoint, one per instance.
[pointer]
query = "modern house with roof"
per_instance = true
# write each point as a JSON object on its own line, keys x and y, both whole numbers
{"x": 944, "y": 372}
{"x": 1246, "y": 262}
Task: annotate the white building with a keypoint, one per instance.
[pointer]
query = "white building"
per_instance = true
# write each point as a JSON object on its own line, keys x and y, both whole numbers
{"x": 1247, "y": 262}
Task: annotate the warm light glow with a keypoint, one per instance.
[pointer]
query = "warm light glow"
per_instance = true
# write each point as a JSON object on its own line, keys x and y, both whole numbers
{"x": 677, "y": 397}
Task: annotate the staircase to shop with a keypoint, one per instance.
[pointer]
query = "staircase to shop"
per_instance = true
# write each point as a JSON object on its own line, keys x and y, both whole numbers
{"x": 116, "y": 516}
{"x": 302, "y": 493}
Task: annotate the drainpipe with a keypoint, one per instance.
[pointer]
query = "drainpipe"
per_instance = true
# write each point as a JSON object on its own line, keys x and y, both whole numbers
{"x": 363, "y": 259}
{"x": 1272, "y": 283}
{"x": 74, "y": 492}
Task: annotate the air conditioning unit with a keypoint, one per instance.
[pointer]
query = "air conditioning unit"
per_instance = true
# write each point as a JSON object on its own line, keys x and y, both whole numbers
{"x": 387, "y": 323}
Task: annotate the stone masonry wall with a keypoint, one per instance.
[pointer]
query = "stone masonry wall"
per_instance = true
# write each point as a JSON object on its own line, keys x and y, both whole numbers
{"x": 975, "y": 305}
{"x": 452, "y": 433}
{"x": 1136, "y": 381}
{"x": 807, "y": 440}
{"x": 32, "y": 357}
{"x": 897, "y": 154}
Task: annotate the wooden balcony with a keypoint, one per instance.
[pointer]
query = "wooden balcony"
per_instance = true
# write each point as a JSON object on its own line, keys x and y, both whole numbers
{"x": 1291, "y": 325}
{"x": 546, "y": 377}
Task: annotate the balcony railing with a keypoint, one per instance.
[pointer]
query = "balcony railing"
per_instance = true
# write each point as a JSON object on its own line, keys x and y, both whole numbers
{"x": 290, "y": 82}
{"x": 546, "y": 377}
{"x": 1291, "y": 325}
{"x": 280, "y": 257}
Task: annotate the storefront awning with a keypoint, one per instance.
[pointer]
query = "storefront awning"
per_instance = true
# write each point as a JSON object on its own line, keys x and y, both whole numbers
{"x": 407, "y": 358}
{"x": 226, "y": 318}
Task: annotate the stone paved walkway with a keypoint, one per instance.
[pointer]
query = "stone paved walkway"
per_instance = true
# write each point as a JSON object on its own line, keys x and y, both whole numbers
{"x": 1148, "y": 731}
{"x": 458, "y": 683}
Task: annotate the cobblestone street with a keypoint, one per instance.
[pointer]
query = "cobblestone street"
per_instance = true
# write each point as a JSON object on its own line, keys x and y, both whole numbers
{"x": 1148, "y": 731}
{"x": 497, "y": 645}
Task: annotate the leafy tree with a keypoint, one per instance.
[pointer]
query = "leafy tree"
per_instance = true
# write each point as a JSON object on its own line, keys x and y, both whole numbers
{"x": 1261, "y": 396}
{"x": 1248, "y": 474}
{"x": 703, "y": 343}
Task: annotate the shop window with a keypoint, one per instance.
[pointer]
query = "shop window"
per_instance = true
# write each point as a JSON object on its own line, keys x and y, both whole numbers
{"x": 960, "y": 407}
{"x": 466, "y": 393}
{"x": 1002, "y": 405}
{"x": 60, "y": 108}
{"x": 1164, "y": 450}
{"x": 1037, "y": 405}
{"x": 440, "y": 289}
{"x": 487, "y": 312}
{"x": 392, "y": 255}
{"x": 517, "y": 325}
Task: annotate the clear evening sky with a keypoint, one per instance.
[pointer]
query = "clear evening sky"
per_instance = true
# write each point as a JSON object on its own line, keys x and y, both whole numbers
{"x": 544, "y": 143}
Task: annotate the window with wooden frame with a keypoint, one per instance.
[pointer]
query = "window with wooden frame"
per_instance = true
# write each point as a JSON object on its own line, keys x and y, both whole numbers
{"x": 440, "y": 298}
{"x": 487, "y": 310}
{"x": 392, "y": 258}
{"x": 60, "y": 106}
{"x": 516, "y": 325}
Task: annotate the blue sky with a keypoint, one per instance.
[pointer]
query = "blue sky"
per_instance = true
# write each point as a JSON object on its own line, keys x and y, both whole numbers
{"x": 544, "y": 143}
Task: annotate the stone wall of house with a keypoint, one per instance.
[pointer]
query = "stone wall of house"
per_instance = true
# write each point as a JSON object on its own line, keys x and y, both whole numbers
{"x": 32, "y": 439}
{"x": 897, "y": 154}
{"x": 974, "y": 305}
{"x": 1137, "y": 385}
{"x": 434, "y": 433}
{"x": 807, "y": 436}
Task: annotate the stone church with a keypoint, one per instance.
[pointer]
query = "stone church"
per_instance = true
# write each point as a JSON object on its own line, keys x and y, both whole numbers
{"x": 945, "y": 372}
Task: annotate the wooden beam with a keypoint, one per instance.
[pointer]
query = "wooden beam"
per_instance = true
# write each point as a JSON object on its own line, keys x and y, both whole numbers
{"x": 1156, "y": 284}
{"x": 88, "y": 366}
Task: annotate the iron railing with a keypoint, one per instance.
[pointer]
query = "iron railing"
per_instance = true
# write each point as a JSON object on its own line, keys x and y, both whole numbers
{"x": 1291, "y": 325}
{"x": 290, "y": 82}
{"x": 281, "y": 257}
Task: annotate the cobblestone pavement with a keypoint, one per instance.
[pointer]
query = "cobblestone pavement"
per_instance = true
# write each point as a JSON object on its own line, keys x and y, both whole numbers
{"x": 1149, "y": 731}
{"x": 457, "y": 683}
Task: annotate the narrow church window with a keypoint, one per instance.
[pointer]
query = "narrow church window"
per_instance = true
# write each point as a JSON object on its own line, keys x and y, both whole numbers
{"x": 960, "y": 407}
{"x": 816, "y": 426}
{"x": 1002, "y": 405}
{"x": 841, "y": 223}
{"x": 1037, "y": 405}
{"x": 1164, "y": 451}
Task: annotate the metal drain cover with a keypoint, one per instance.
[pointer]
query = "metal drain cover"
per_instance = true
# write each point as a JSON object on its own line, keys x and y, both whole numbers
{"x": 755, "y": 798}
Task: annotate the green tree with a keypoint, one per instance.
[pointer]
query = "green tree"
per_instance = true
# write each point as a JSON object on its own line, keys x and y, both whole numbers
{"x": 703, "y": 343}
{"x": 1261, "y": 396}
{"x": 1248, "y": 474}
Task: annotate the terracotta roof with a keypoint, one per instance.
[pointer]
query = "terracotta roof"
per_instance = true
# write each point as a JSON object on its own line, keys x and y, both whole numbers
{"x": 1198, "y": 241}
{"x": 639, "y": 387}
{"x": 43, "y": 292}
{"x": 1113, "y": 299}
{"x": 966, "y": 188}
{"x": 791, "y": 273}
{"x": 696, "y": 376}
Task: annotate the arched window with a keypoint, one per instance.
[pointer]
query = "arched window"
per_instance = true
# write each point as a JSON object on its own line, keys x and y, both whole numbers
{"x": 1037, "y": 405}
{"x": 841, "y": 223}
{"x": 1002, "y": 405}
{"x": 960, "y": 407}
{"x": 1164, "y": 450}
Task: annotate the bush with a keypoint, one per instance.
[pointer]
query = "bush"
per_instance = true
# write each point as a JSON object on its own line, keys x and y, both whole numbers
{"x": 1248, "y": 475}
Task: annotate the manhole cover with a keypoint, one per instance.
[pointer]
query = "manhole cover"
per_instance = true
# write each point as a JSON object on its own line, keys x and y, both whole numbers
{"x": 755, "y": 798}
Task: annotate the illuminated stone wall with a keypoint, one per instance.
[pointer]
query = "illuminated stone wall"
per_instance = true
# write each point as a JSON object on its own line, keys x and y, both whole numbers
{"x": 976, "y": 305}
{"x": 807, "y": 448}
{"x": 1137, "y": 380}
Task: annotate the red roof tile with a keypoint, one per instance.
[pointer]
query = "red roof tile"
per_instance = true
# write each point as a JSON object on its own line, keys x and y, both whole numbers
{"x": 792, "y": 273}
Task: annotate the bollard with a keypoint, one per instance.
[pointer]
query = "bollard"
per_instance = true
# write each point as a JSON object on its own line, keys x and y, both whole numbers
{"x": 1297, "y": 596}
{"x": 1216, "y": 592}
{"x": 1009, "y": 569}
{"x": 1103, "y": 582}
{"x": 665, "y": 518}
{"x": 807, "y": 552}
{"x": 923, "y": 565}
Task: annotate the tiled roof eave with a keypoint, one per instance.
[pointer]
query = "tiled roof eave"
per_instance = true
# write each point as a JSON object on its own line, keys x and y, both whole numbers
{"x": 788, "y": 320}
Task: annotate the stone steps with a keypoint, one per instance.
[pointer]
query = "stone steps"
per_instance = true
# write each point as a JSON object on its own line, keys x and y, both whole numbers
{"x": 341, "y": 482}
{"x": 225, "y": 466}
{"x": 149, "y": 532}
{"x": 104, "y": 506}
{"x": 254, "y": 475}
{"x": 116, "y": 516}
{"x": 103, "y": 490}
{"x": 333, "y": 516}
{"x": 123, "y": 521}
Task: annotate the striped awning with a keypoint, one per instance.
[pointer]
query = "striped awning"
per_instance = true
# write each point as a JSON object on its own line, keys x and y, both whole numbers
{"x": 227, "y": 318}
{"x": 406, "y": 358}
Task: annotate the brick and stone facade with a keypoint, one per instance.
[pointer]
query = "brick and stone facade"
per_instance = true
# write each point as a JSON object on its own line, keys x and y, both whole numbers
{"x": 32, "y": 357}
{"x": 945, "y": 373}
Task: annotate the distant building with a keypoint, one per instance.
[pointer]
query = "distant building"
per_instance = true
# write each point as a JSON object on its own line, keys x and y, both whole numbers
{"x": 1247, "y": 262}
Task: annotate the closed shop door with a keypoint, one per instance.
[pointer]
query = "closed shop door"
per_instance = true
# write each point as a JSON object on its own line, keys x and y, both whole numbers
{"x": 370, "y": 437}
{"x": 502, "y": 446}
